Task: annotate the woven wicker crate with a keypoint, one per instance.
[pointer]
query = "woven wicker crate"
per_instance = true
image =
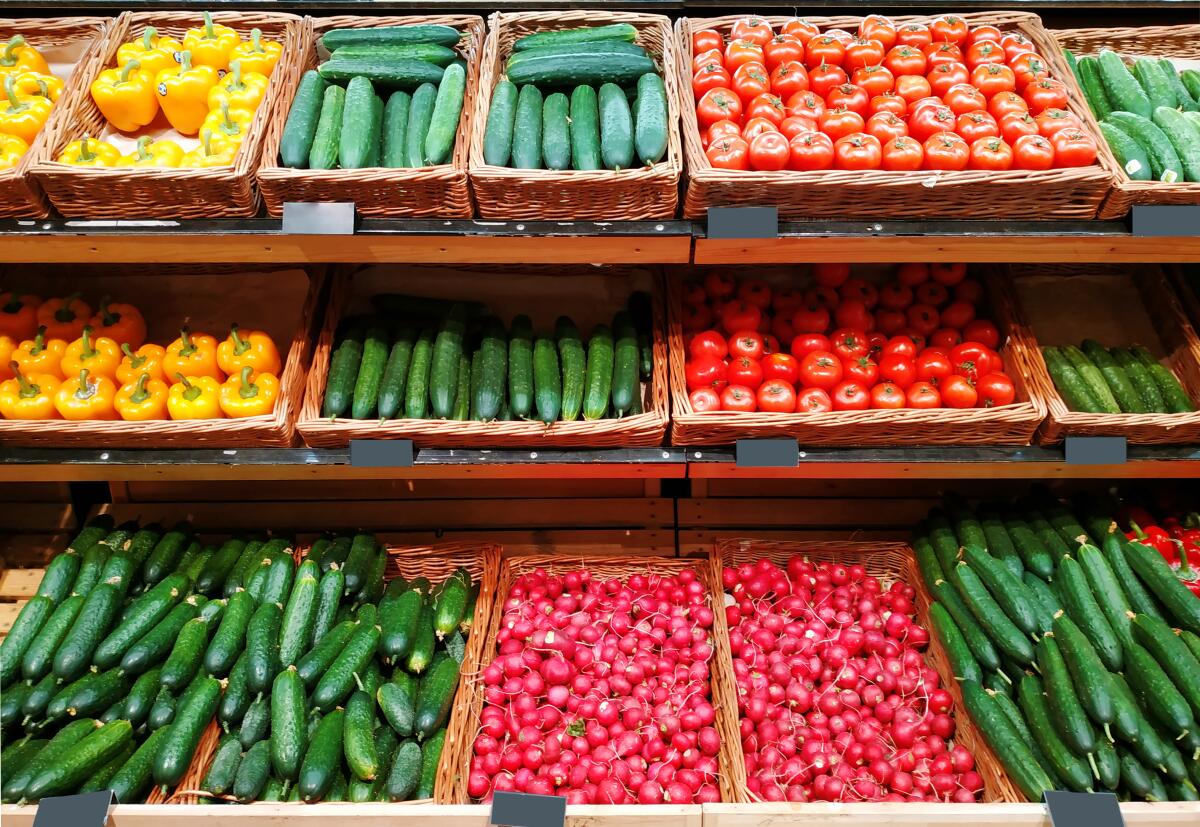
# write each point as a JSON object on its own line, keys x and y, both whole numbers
{"x": 145, "y": 192}
{"x": 428, "y": 192}
{"x": 168, "y": 299}
{"x": 1149, "y": 41}
{"x": 606, "y": 290}
{"x": 20, "y": 195}
{"x": 880, "y": 194}
{"x": 1013, "y": 424}
{"x": 1118, "y": 305}
{"x": 889, "y": 562}
{"x": 627, "y": 195}
{"x": 721, "y": 687}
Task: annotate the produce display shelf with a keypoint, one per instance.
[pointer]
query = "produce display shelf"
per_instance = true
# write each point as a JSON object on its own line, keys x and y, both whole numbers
{"x": 654, "y": 5}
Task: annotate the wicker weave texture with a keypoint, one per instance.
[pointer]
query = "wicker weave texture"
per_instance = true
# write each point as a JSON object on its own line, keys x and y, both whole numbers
{"x": 1147, "y": 41}
{"x": 426, "y": 192}
{"x": 20, "y": 194}
{"x": 1013, "y": 424}
{"x": 889, "y": 562}
{"x": 144, "y": 192}
{"x": 880, "y": 194}
{"x": 629, "y": 195}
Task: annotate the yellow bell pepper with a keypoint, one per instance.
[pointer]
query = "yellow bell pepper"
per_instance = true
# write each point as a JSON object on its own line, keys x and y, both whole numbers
{"x": 211, "y": 45}
{"x": 89, "y": 152}
{"x": 40, "y": 354}
{"x": 151, "y": 153}
{"x": 123, "y": 323}
{"x": 126, "y": 96}
{"x": 153, "y": 51}
{"x": 35, "y": 83}
{"x": 64, "y": 318}
{"x": 248, "y": 348}
{"x": 7, "y": 346}
{"x": 28, "y": 396}
{"x": 18, "y": 315}
{"x": 183, "y": 93}
{"x": 256, "y": 54}
{"x": 22, "y": 115}
{"x": 12, "y": 149}
{"x": 142, "y": 399}
{"x": 194, "y": 397}
{"x": 19, "y": 57}
{"x": 86, "y": 397}
{"x": 239, "y": 89}
{"x": 192, "y": 355}
{"x": 214, "y": 151}
{"x": 249, "y": 394}
{"x": 229, "y": 123}
{"x": 99, "y": 355}
{"x": 146, "y": 359}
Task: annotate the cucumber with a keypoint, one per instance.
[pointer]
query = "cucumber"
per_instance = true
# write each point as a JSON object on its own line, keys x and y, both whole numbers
{"x": 85, "y": 757}
{"x": 362, "y": 552}
{"x": 1154, "y": 82}
{"x": 338, "y": 681}
{"x": 547, "y": 380}
{"x": 1076, "y": 394}
{"x": 488, "y": 391}
{"x": 30, "y": 620}
{"x": 397, "y": 700}
{"x": 1181, "y": 605}
{"x": 1139, "y": 599}
{"x": 1147, "y": 744}
{"x": 979, "y": 643}
{"x": 1106, "y": 588}
{"x": 274, "y": 790}
{"x": 1092, "y": 681}
{"x": 999, "y": 543}
{"x": 1121, "y": 87}
{"x": 218, "y": 780}
{"x": 39, "y": 656}
{"x": 96, "y": 696}
{"x": 150, "y": 608}
{"x": 289, "y": 735}
{"x": 1140, "y": 378}
{"x": 498, "y": 134}
{"x": 1007, "y": 637}
{"x": 1164, "y": 161}
{"x": 1128, "y": 152}
{"x": 1067, "y": 766}
{"x": 626, "y": 358}
{"x": 253, "y": 772}
{"x": 358, "y": 143}
{"x": 1180, "y": 664}
{"x": 12, "y": 702}
{"x": 558, "y": 71}
{"x": 318, "y": 659}
{"x": 296, "y": 623}
{"x": 93, "y": 621}
{"x": 431, "y": 52}
{"x": 451, "y": 603}
{"x": 1092, "y": 376}
{"x": 323, "y": 759}
{"x": 431, "y": 754}
{"x": 401, "y": 73}
{"x": 561, "y": 37}
{"x": 256, "y": 723}
{"x": 927, "y": 562}
{"x": 301, "y": 126}
{"x": 1158, "y": 694}
{"x": 520, "y": 367}
{"x": 1168, "y": 385}
{"x": 1033, "y": 551}
{"x": 64, "y": 742}
{"x": 251, "y": 555}
{"x": 391, "y": 36}
{"x": 444, "y": 367}
{"x": 585, "y": 128}
{"x": 94, "y": 532}
{"x": 58, "y": 577}
{"x": 328, "y": 137}
{"x": 1190, "y": 78}
{"x": 1065, "y": 708}
{"x": 1184, "y": 137}
{"x": 162, "y": 711}
{"x": 89, "y": 570}
{"x": 447, "y": 110}
{"x": 573, "y": 360}
{"x": 370, "y": 372}
{"x": 420, "y": 655}
{"x": 420, "y": 114}
{"x": 358, "y": 736}
{"x": 527, "y": 129}
{"x": 329, "y": 594}
{"x": 435, "y": 696}
{"x": 372, "y": 588}
{"x": 416, "y": 393}
{"x": 962, "y": 662}
{"x": 1137, "y": 779}
{"x": 195, "y": 710}
{"x": 1115, "y": 376}
{"x": 556, "y": 134}
{"x": 399, "y": 620}
{"x": 167, "y": 553}
{"x": 394, "y": 150}
{"x": 219, "y": 567}
{"x": 343, "y": 371}
{"x": 99, "y": 780}
{"x": 1093, "y": 87}
{"x": 405, "y": 774}
{"x": 1081, "y": 605}
{"x": 616, "y": 127}
{"x": 395, "y": 374}
{"x": 606, "y": 47}
{"x": 262, "y": 647}
{"x": 136, "y": 706}
{"x": 650, "y": 119}
{"x": 1008, "y": 591}
{"x": 230, "y": 638}
{"x": 1108, "y": 766}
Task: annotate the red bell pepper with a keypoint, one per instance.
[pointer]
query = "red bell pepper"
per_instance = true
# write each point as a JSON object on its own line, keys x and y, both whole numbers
{"x": 1155, "y": 537}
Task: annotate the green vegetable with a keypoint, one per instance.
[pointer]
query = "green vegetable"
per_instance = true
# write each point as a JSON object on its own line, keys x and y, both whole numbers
{"x": 394, "y": 137}
{"x": 324, "y": 757}
{"x": 362, "y": 124}
{"x": 416, "y": 394}
{"x": 585, "y": 128}
{"x": 498, "y": 134}
{"x": 1076, "y": 393}
{"x": 1065, "y": 708}
{"x": 650, "y": 119}
{"x": 1069, "y": 767}
{"x": 1184, "y": 137}
{"x": 520, "y": 367}
{"x": 1139, "y": 377}
{"x": 962, "y": 662}
{"x": 402, "y": 73}
{"x": 195, "y": 710}
{"x": 1117, "y": 380}
{"x": 616, "y": 128}
{"x": 420, "y": 115}
{"x": 447, "y": 108}
{"x": 1093, "y": 377}
{"x": 1121, "y": 87}
{"x": 327, "y": 139}
{"x": 1164, "y": 160}
{"x": 527, "y": 129}
{"x": 547, "y": 380}
{"x": 343, "y": 369}
{"x": 550, "y": 70}
{"x": 301, "y": 127}
{"x": 556, "y": 137}
{"x": 443, "y": 375}
{"x": 391, "y": 36}
{"x": 1168, "y": 385}
{"x": 1081, "y": 605}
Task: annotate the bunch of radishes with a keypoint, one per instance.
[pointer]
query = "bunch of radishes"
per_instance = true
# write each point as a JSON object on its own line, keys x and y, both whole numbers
{"x": 835, "y": 700}
{"x": 600, "y": 692}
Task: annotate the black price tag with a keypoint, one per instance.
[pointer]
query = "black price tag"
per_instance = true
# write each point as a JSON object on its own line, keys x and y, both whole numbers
{"x": 83, "y": 810}
{"x": 767, "y": 453}
{"x": 318, "y": 217}
{"x": 528, "y": 810}
{"x": 743, "y": 222}
{"x": 1156, "y": 220}
{"x": 381, "y": 453}
{"x": 1096, "y": 450}
{"x": 1083, "y": 809}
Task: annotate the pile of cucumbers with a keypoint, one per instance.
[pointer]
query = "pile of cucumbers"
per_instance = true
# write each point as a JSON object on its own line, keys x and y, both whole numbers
{"x": 420, "y": 358}
{"x": 1077, "y": 651}
{"x": 1093, "y": 379}
{"x": 1149, "y": 113}
{"x": 338, "y": 118}
{"x": 582, "y": 99}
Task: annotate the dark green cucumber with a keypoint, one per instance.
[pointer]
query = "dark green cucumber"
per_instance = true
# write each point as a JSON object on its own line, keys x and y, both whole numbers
{"x": 1129, "y": 153}
{"x": 395, "y": 374}
{"x": 12, "y": 703}
{"x": 1164, "y": 160}
{"x": 230, "y": 638}
{"x": 1093, "y": 683}
{"x": 585, "y": 128}
{"x": 1092, "y": 376}
{"x": 420, "y": 654}
{"x": 547, "y": 380}
{"x": 253, "y": 772}
{"x": 251, "y": 556}
{"x": 56, "y": 751}
{"x": 1106, "y": 588}
{"x": 85, "y": 757}
{"x": 362, "y": 124}
{"x": 488, "y": 391}
{"x": 592, "y": 68}
{"x": 195, "y": 710}
{"x": 362, "y": 552}
{"x": 556, "y": 135}
{"x": 610, "y": 47}
{"x": 927, "y": 562}
{"x": 1068, "y": 767}
{"x": 498, "y": 134}
{"x": 39, "y": 656}
{"x": 92, "y": 698}
{"x": 373, "y": 584}
{"x": 141, "y": 697}
{"x": 431, "y": 754}
{"x": 431, "y": 52}
{"x": 313, "y": 665}
{"x": 95, "y": 531}
{"x": 1042, "y": 593}
{"x": 1077, "y": 394}
{"x": 1183, "y": 97}
{"x": 358, "y": 736}
{"x": 1181, "y": 665}
{"x": 447, "y": 110}
{"x": 338, "y": 681}
{"x": 1081, "y": 605}
{"x": 1115, "y": 376}
{"x": 1093, "y": 87}
{"x": 370, "y": 372}
{"x": 329, "y": 594}
{"x": 420, "y": 114}
{"x": 133, "y": 779}
{"x": 1157, "y": 693}
{"x": 999, "y": 543}
{"x": 1168, "y": 384}
{"x": 520, "y": 367}
{"x": 150, "y": 608}
{"x": 328, "y": 137}
{"x": 343, "y": 370}
{"x": 398, "y": 701}
{"x": 323, "y": 758}
{"x": 95, "y": 618}
{"x": 451, "y": 603}
{"x": 527, "y": 128}
{"x": 1140, "y": 600}
{"x": 187, "y": 653}
{"x": 1181, "y": 605}
{"x": 1108, "y": 766}
{"x": 962, "y": 662}
{"x": 218, "y": 780}
{"x": 89, "y": 570}
{"x": 1150, "y": 75}
{"x": 289, "y": 735}
{"x": 40, "y": 694}
{"x": 274, "y": 790}
{"x": 399, "y": 620}
{"x": 616, "y": 126}
{"x": 443, "y": 372}
{"x": 162, "y": 711}
{"x": 59, "y": 577}
{"x": 1139, "y": 376}
{"x": 560, "y": 37}
{"x": 297, "y": 620}
{"x": 394, "y": 149}
{"x": 573, "y": 360}
{"x": 980, "y": 644}
{"x": 650, "y": 119}
{"x": 1008, "y": 591}
{"x": 391, "y": 36}
{"x": 995, "y": 623}
{"x": 301, "y": 125}
{"x": 99, "y": 780}
{"x": 405, "y": 774}
{"x": 1066, "y": 710}
{"x": 262, "y": 647}
{"x": 219, "y": 566}
{"x": 256, "y": 723}
{"x": 1136, "y": 778}
{"x": 626, "y": 358}
{"x": 166, "y": 554}
{"x": 599, "y": 373}
{"x": 401, "y": 73}
{"x": 469, "y": 365}
{"x": 1120, "y": 85}
{"x": 435, "y": 697}
{"x": 30, "y": 620}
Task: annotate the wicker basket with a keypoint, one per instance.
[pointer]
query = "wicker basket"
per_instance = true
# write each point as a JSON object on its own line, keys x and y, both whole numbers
{"x": 601, "y": 195}
{"x": 20, "y": 196}
{"x": 590, "y": 296}
{"x": 1118, "y": 305}
{"x": 1013, "y": 424}
{"x": 889, "y": 562}
{"x": 135, "y": 192}
{"x": 721, "y": 685}
{"x": 428, "y": 192}
{"x": 281, "y": 301}
{"x": 880, "y": 194}
{"x": 1150, "y": 41}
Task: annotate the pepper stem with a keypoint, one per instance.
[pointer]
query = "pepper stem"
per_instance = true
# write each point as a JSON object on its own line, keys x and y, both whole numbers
{"x": 209, "y": 34}
{"x": 185, "y": 61}
{"x": 10, "y": 89}
{"x": 28, "y": 389}
{"x": 14, "y": 304}
{"x": 128, "y": 69}
{"x": 43, "y": 89}
{"x": 135, "y": 361}
{"x": 87, "y": 389}
{"x": 249, "y": 390}
{"x": 89, "y": 350}
{"x": 140, "y": 394}
{"x": 185, "y": 336}
{"x": 39, "y": 341}
{"x": 142, "y": 155}
{"x": 10, "y": 51}
{"x": 240, "y": 345}
{"x": 228, "y": 126}
{"x": 148, "y": 35}
{"x": 256, "y": 41}
{"x": 1137, "y": 529}
{"x": 191, "y": 392}
{"x": 235, "y": 84}
{"x": 206, "y": 142}
{"x": 85, "y": 154}
{"x": 1185, "y": 565}
{"x": 65, "y": 313}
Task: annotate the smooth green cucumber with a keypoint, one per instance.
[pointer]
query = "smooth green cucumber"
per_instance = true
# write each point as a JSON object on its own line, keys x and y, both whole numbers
{"x": 650, "y": 119}
{"x": 301, "y": 125}
{"x": 447, "y": 110}
{"x": 616, "y": 127}
{"x": 585, "y": 128}
{"x": 420, "y": 114}
{"x": 498, "y": 134}
{"x": 527, "y": 129}
{"x": 547, "y": 380}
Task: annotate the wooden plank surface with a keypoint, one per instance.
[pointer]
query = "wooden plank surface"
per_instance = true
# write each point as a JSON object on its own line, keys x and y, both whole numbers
{"x": 8, "y": 615}
{"x": 394, "y": 489}
{"x": 20, "y": 584}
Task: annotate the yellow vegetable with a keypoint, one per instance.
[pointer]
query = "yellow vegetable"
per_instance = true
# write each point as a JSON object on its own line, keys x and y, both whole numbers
{"x": 194, "y": 397}
{"x": 88, "y": 152}
{"x": 18, "y": 56}
{"x": 86, "y": 397}
{"x": 256, "y": 54}
{"x": 12, "y": 149}
{"x": 153, "y": 51}
{"x": 28, "y": 396}
{"x": 229, "y": 123}
{"x": 239, "y": 88}
{"x": 35, "y": 83}
{"x": 183, "y": 93}
{"x": 211, "y": 44}
{"x": 125, "y": 96}
{"x": 151, "y": 153}
{"x": 22, "y": 115}
{"x": 214, "y": 151}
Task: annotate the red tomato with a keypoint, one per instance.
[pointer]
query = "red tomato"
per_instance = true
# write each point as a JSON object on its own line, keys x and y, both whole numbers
{"x": 1073, "y": 148}
{"x": 702, "y": 59}
{"x": 787, "y": 300}
{"x": 939, "y": 53}
{"x": 849, "y": 343}
{"x": 782, "y": 367}
{"x": 983, "y": 53}
{"x": 984, "y": 332}
{"x": 1015, "y": 124}
{"x": 851, "y": 396}
{"x": 811, "y": 319}
{"x": 957, "y": 392}
{"x": 1028, "y": 68}
{"x": 963, "y": 98}
{"x": 782, "y": 48}
{"x": 944, "y": 338}
{"x": 807, "y": 343}
{"x": 705, "y": 372}
{"x": 895, "y": 295}
{"x": 1033, "y": 152}
{"x": 838, "y": 123}
{"x": 889, "y": 321}
{"x": 801, "y": 29}
{"x": 824, "y": 49}
{"x": 958, "y": 315}
{"x": 757, "y": 126}
{"x": 769, "y": 151}
{"x": 754, "y": 29}
{"x": 969, "y": 290}
{"x": 694, "y": 293}
{"x": 825, "y": 76}
{"x": 947, "y": 151}
{"x": 876, "y": 341}
{"x": 1046, "y": 93}
{"x": 1005, "y": 103}
{"x": 995, "y": 390}
{"x": 739, "y": 315}
{"x": 901, "y": 370}
{"x": 949, "y": 28}
{"x": 794, "y": 125}
{"x": 821, "y": 295}
{"x": 710, "y": 76}
{"x": 928, "y": 121}
{"x": 876, "y": 80}
{"x": 770, "y": 345}
{"x": 1054, "y": 120}
{"x": 709, "y": 343}
{"x": 820, "y": 369}
{"x": 933, "y": 366}
{"x": 948, "y": 275}
{"x": 923, "y": 395}
{"x": 848, "y": 96}
{"x": 923, "y": 318}
{"x": 748, "y": 343}
{"x": 885, "y": 126}
{"x": 916, "y": 35}
{"x": 862, "y": 370}
{"x": 724, "y": 129}
{"x": 944, "y": 75}
{"x": 766, "y": 106}
{"x": 857, "y": 151}
{"x": 788, "y": 78}
{"x": 854, "y": 313}
{"x": 777, "y": 397}
{"x": 913, "y": 88}
{"x": 903, "y": 154}
{"x": 831, "y": 275}
{"x": 1015, "y": 44}
{"x": 888, "y": 102}
{"x": 887, "y": 396}
{"x": 810, "y": 151}
{"x": 990, "y": 153}
{"x": 719, "y": 286}
{"x": 861, "y": 289}
{"x": 973, "y": 126}
{"x": 744, "y": 371}
{"x": 782, "y": 330}
{"x": 905, "y": 60}
{"x": 993, "y": 78}
{"x": 878, "y": 27}
{"x": 864, "y": 52}
{"x": 751, "y": 80}
{"x": 743, "y": 51}
{"x": 696, "y": 317}
{"x": 705, "y": 39}
{"x": 756, "y": 292}
{"x": 704, "y": 399}
{"x": 912, "y": 274}
{"x": 738, "y": 398}
{"x": 984, "y": 32}
{"x": 813, "y": 400}
{"x": 932, "y": 293}
{"x": 971, "y": 359}
{"x": 717, "y": 105}
{"x": 901, "y": 346}
{"x": 806, "y": 104}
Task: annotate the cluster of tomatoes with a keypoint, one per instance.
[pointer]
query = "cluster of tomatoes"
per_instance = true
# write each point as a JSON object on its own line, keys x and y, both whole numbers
{"x": 914, "y": 342}
{"x": 942, "y": 96}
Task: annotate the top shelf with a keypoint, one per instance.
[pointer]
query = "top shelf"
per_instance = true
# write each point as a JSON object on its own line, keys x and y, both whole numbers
{"x": 659, "y": 6}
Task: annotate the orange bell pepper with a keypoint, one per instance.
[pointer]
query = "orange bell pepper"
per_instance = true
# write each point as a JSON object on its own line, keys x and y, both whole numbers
{"x": 28, "y": 397}
{"x": 64, "y": 318}
{"x": 194, "y": 397}
{"x": 145, "y": 398}
{"x": 192, "y": 354}
{"x": 18, "y": 315}
{"x": 243, "y": 396}
{"x": 7, "y": 347}
{"x": 99, "y": 355}
{"x": 123, "y": 323}
{"x": 40, "y": 354}
{"x": 248, "y": 348}
{"x": 86, "y": 397}
{"x": 147, "y": 359}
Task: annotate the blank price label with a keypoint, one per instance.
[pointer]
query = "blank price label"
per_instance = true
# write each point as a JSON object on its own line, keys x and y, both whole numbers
{"x": 1152, "y": 220}
{"x": 1096, "y": 450}
{"x": 381, "y": 453}
{"x": 767, "y": 453}
{"x": 1083, "y": 809}
{"x": 318, "y": 217}
{"x": 84, "y": 810}
{"x": 743, "y": 222}
{"x": 528, "y": 810}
